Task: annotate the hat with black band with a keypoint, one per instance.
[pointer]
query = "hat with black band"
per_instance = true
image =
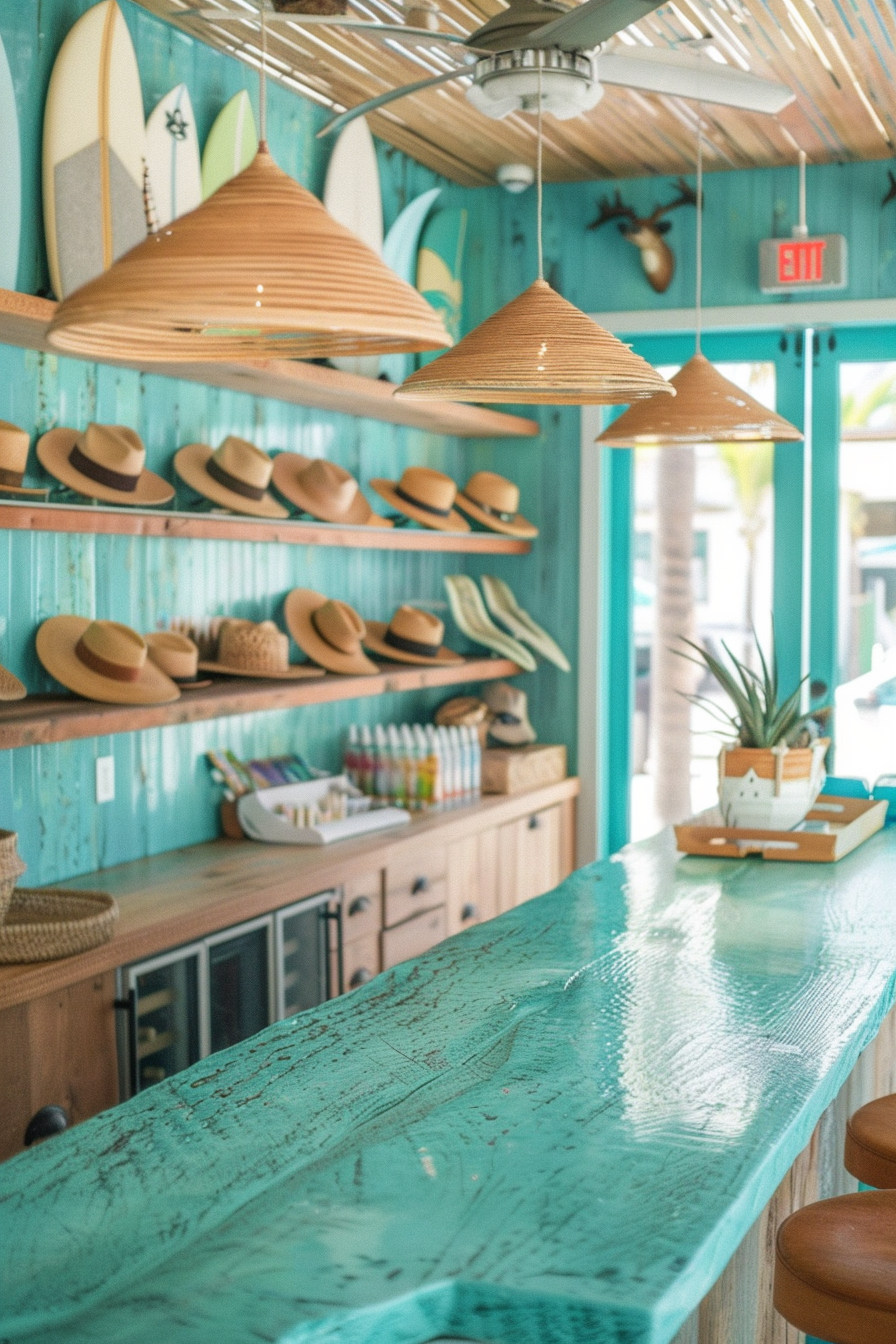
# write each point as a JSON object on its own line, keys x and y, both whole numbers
{"x": 412, "y": 636}
{"x": 494, "y": 501}
{"x": 425, "y": 495}
{"x": 106, "y": 462}
{"x": 236, "y": 475}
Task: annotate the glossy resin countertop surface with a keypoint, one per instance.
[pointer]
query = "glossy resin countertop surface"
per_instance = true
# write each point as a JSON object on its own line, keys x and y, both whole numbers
{"x": 552, "y": 1129}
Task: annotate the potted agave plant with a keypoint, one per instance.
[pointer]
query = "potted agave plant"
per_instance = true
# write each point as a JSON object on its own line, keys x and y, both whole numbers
{"x": 771, "y": 774}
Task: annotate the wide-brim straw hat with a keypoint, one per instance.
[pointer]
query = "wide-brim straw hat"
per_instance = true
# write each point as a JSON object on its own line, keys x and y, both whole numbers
{"x": 104, "y": 462}
{"x": 258, "y": 650}
{"x": 509, "y": 708}
{"x": 102, "y": 660}
{"x": 178, "y": 657}
{"x": 494, "y": 501}
{"x": 235, "y": 475}
{"x": 412, "y": 636}
{"x": 325, "y": 490}
{"x": 330, "y": 632}
{"x": 10, "y": 686}
{"x": 14, "y": 444}
{"x": 425, "y": 495}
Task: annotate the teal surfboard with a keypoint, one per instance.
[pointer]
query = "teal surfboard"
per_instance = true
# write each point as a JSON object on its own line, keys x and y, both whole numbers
{"x": 10, "y": 176}
{"x": 440, "y": 267}
{"x": 400, "y": 253}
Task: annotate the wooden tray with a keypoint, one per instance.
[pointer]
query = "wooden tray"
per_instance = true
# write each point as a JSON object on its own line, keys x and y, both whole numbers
{"x": 834, "y": 827}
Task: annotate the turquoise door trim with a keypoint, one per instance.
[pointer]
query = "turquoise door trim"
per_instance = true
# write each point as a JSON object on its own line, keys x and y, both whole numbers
{"x": 616, "y": 648}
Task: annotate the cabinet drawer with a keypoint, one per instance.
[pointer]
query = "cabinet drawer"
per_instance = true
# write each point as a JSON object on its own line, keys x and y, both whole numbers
{"x": 416, "y": 884}
{"x": 363, "y": 906}
{"x": 530, "y": 857}
{"x": 361, "y": 961}
{"x": 414, "y": 936}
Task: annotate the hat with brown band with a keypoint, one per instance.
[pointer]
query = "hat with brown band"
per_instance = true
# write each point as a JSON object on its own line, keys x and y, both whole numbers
{"x": 236, "y": 476}
{"x": 106, "y": 462}
{"x": 412, "y": 636}
{"x": 102, "y": 660}
{"x": 425, "y": 495}
{"x": 329, "y": 631}
{"x": 13, "y": 460}
{"x": 494, "y": 501}
{"x": 10, "y": 687}
{"x": 178, "y": 657}
{"x": 247, "y": 649}
{"x": 324, "y": 490}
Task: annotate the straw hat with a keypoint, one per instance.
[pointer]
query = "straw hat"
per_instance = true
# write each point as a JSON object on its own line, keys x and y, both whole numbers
{"x": 236, "y": 475}
{"x": 13, "y": 459}
{"x": 494, "y": 501}
{"x": 102, "y": 660}
{"x": 105, "y": 462}
{"x": 330, "y": 632}
{"x": 462, "y": 711}
{"x": 425, "y": 495}
{"x": 249, "y": 650}
{"x": 324, "y": 490}
{"x": 178, "y": 657}
{"x": 10, "y": 687}
{"x": 412, "y": 636}
{"x": 509, "y": 723}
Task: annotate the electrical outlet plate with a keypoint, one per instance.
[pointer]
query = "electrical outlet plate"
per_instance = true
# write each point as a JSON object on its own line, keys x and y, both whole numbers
{"x": 105, "y": 779}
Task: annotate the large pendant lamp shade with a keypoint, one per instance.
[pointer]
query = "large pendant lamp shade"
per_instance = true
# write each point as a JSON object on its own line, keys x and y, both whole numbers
{"x": 259, "y": 270}
{"x": 708, "y": 408}
{"x": 537, "y": 348}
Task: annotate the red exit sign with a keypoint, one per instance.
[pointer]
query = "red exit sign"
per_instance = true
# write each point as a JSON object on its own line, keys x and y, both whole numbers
{"x": 802, "y": 263}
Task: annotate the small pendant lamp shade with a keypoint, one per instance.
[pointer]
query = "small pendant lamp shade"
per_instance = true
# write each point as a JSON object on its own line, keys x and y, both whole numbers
{"x": 537, "y": 348}
{"x": 708, "y": 408}
{"x": 259, "y": 270}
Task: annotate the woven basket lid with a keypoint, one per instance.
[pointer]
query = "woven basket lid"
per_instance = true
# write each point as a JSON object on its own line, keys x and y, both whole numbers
{"x": 537, "y": 348}
{"x": 260, "y": 269}
{"x": 708, "y": 409}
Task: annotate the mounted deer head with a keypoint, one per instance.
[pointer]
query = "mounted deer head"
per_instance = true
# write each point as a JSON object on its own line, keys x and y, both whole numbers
{"x": 657, "y": 257}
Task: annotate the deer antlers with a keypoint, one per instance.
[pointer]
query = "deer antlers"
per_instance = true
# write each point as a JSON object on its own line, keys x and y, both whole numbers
{"x": 647, "y": 232}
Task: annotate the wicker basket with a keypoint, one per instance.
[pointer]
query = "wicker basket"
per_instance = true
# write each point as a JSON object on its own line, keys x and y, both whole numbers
{"x": 45, "y": 923}
{"x": 11, "y": 868}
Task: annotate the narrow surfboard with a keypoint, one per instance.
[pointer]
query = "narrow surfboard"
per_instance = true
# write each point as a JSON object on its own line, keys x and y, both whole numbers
{"x": 352, "y": 196}
{"x": 172, "y": 156}
{"x": 440, "y": 269}
{"x": 400, "y": 252}
{"x": 10, "y": 176}
{"x": 94, "y": 150}
{"x": 231, "y": 145}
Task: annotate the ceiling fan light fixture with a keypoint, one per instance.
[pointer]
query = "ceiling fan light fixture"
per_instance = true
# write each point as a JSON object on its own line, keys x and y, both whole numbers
{"x": 260, "y": 270}
{"x": 509, "y": 82}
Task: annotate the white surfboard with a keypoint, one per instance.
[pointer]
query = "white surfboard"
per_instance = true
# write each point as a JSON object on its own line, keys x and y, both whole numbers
{"x": 352, "y": 196}
{"x": 172, "y": 156}
{"x": 231, "y": 145}
{"x": 94, "y": 150}
{"x": 10, "y": 178}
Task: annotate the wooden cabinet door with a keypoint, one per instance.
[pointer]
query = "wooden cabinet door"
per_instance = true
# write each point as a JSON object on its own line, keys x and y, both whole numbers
{"x": 472, "y": 880}
{"x": 57, "y": 1050}
{"x": 532, "y": 856}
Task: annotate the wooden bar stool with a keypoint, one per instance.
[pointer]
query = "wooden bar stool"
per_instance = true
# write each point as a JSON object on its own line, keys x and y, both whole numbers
{"x": 835, "y": 1269}
{"x": 870, "y": 1149}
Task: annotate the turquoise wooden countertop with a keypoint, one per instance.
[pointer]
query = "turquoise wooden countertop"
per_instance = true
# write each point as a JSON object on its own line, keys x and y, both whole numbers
{"x": 553, "y": 1129}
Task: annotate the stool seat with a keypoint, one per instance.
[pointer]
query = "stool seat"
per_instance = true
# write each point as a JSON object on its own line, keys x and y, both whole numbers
{"x": 835, "y": 1269}
{"x": 870, "y": 1150}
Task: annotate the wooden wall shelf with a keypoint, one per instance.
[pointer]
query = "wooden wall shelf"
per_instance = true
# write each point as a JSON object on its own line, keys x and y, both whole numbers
{"x": 105, "y": 520}
{"x": 51, "y": 718}
{"x": 24, "y": 320}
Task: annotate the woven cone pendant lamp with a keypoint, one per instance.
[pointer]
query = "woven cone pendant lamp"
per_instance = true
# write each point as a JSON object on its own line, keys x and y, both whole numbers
{"x": 538, "y": 348}
{"x": 259, "y": 270}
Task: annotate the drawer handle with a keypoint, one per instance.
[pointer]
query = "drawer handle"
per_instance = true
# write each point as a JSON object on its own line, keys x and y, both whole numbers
{"x": 46, "y": 1122}
{"x": 534, "y": 823}
{"x": 360, "y": 977}
{"x": 419, "y": 885}
{"x": 468, "y": 912}
{"x": 359, "y": 905}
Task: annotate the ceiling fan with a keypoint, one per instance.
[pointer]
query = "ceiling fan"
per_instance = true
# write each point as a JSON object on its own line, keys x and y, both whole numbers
{"x": 532, "y": 44}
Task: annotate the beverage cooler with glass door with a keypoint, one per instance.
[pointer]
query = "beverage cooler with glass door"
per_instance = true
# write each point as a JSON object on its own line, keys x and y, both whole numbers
{"x": 186, "y": 1004}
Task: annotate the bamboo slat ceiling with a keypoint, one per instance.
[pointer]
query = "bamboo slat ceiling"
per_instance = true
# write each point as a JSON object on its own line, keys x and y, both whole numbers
{"x": 834, "y": 54}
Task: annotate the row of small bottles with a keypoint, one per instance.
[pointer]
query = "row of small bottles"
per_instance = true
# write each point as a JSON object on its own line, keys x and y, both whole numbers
{"x": 414, "y": 765}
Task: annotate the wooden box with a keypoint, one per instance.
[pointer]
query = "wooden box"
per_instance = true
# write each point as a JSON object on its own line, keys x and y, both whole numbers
{"x": 516, "y": 769}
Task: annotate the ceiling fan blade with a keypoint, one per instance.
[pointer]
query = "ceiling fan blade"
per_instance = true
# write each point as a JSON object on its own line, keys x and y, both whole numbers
{"x": 589, "y": 24}
{"x": 684, "y": 75}
{"x": 373, "y": 103}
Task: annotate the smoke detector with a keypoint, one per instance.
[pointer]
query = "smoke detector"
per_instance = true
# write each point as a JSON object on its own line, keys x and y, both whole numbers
{"x": 515, "y": 177}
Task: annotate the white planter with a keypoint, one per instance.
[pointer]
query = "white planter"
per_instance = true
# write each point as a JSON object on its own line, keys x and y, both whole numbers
{"x": 770, "y": 788}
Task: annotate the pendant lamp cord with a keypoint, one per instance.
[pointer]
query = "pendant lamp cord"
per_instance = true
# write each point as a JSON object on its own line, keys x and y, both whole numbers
{"x": 699, "y": 283}
{"x": 262, "y": 78}
{"x": 538, "y": 176}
